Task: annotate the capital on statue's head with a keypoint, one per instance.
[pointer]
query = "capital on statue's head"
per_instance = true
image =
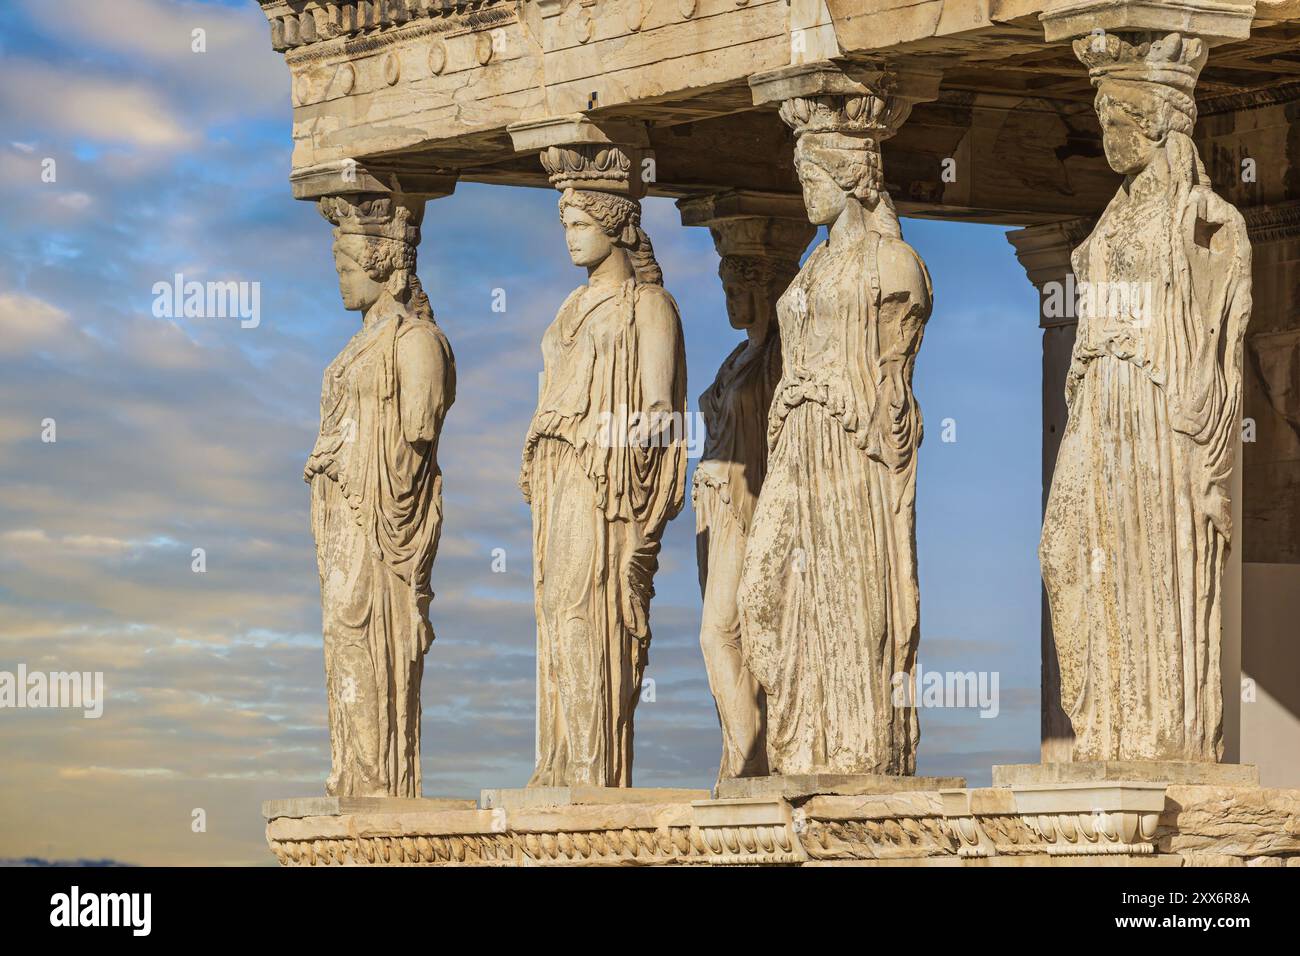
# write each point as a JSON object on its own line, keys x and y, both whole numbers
{"x": 1170, "y": 59}
{"x": 393, "y": 217}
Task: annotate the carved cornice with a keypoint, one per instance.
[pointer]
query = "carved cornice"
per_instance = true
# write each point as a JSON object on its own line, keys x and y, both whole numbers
{"x": 1273, "y": 222}
{"x": 762, "y": 834}
{"x": 1249, "y": 99}
{"x": 306, "y": 30}
{"x": 894, "y": 838}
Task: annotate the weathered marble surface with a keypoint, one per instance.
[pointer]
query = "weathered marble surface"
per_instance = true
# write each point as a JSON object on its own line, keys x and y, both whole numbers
{"x": 376, "y": 497}
{"x": 1118, "y": 824}
{"x": 759, "y": 257}
{"x": 793, "y": 786}
{"x": 441, "y": 81}
{"x": 517, "y": 798}
{"x": 1217, "y": 826}
{"x": 298, "y": 807}
{"x": 1195, "y": 772}
{"x": 604, "y": 469}
{"x": 829, "y": 607}
{"x": 1138, "y": 522}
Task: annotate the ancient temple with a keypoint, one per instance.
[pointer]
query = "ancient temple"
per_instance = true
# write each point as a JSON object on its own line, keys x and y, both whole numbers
{"x": 1147, "y": 153}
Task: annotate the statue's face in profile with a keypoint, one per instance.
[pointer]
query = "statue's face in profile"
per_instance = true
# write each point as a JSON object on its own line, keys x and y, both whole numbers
{"x": 588, "y": 243}
{"x": 822, "y": 196}
{"x": 359, "y": 290}
{"x": 1128, "y": 148}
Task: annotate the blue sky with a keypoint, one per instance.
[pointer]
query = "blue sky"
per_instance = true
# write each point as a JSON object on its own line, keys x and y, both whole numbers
{"x": 186, "y": 433}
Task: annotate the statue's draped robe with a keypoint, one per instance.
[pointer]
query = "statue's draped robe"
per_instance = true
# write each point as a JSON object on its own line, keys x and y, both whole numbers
{"x": 829, "y": 604}
{"x": 724, "y": 495}
{"x": 1138, "y": 519}
{"x": 376, "y": 515}
{"x": 599, "y": 508}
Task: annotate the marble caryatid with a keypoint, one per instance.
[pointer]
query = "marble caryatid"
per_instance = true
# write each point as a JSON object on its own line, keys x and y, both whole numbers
{"x": 828, "y": 595}
{"x": 1138, "y": 520}
{"x": 376, "y": 496}
{"x": 759, "y": 257}
{"x": 604, "y": 469}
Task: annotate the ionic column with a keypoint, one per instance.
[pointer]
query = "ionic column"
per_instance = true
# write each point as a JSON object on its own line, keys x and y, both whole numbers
{"x": 1044, "y": 252}
{"x": 604, "y": 462}
{"x": 829, "y": 607}
{"x": 1138, "y": 524}
{"x": 759, "y": 238}
{"x": 376, "y": 487}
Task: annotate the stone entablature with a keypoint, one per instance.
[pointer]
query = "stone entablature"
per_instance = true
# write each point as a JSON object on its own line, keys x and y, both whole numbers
{"x": 439, "y": 82}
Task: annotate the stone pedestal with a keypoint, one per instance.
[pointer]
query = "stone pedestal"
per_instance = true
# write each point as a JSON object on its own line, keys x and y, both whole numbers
{"x": 299, "y": 807}
{"x": 522, "y": 797}
{"x": 1119, "y": 771}
{"x": 797, "y": 786}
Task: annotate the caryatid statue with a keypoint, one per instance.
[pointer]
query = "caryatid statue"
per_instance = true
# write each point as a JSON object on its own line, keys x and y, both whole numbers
{"x": 1138, "y": 520}
{"x": 759, "y": 258}
{"x": 604, "y": 469}
{"x": 376, "y": 497}
{"x": 828, "y": 596}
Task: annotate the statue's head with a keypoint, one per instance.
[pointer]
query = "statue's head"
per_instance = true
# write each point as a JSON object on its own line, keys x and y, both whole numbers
{"x": 1145, "y": 93}
{"x": 375, "y": 242}
{"x": 600, "y": 224}
{"x": 748, "y": 302}
{"x": 596, "y": 224}
{"x": 758, "y": 256}
{"x": 1129, "y": 137}
{"x": 752, "y": 285}
{"x": 837, "y": 148}
{"x": 834, "y": 167}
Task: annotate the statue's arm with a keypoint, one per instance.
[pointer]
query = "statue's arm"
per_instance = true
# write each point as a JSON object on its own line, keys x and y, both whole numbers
{"x": 904, "y": 302}
{"x": 1218, "y": 253}
{"x": 658, "y": 351}
{"x": 904, "y": 308}
{"x": 423, "y": 370}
